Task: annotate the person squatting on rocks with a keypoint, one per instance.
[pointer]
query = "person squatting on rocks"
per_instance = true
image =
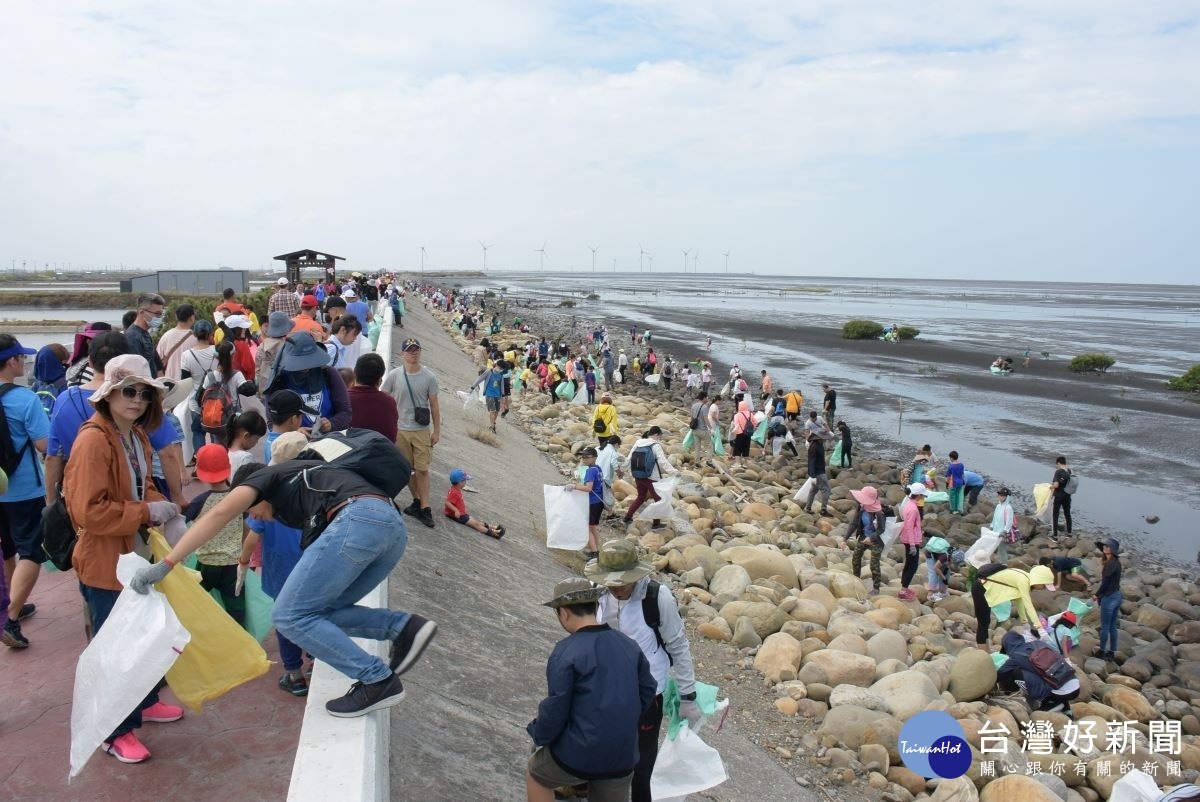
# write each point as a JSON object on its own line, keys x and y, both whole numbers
{"x": 665, "y": 646}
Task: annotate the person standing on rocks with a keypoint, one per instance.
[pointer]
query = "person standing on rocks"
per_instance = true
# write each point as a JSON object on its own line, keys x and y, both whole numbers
{"x": 702, "y": 434}
{"x": 609, "y": 365}
{"x": 867, "y": 521}
{"x": 847, "y": 444}
{"x": 665, "y": 646}
{"x": 706, "y": 377}
{"x": 1109, "y": 597}
{"x": 599, "y": 686}
{"x": 816, "y": 472}
{"x": 647, "y": 462}
{"x": 764, "y": 388}
{"x": 1061, "y": 495}
{"x": 830, "y": 405}
{"x": 604, "y": 419}
{"x": 911, "y": 535}
{"x": 415, "y": 389}
{"x": 1003, "y": 520}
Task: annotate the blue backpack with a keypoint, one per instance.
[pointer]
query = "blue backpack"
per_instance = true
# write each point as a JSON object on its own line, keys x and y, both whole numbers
{"x": 642, "y": 462}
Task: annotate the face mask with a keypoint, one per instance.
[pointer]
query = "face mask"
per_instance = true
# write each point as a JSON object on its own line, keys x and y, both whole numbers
{"x": 156, "y": 323}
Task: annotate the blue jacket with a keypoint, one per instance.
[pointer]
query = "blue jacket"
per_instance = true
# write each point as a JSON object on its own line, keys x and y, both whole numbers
{"x": 599, "y": 685}
{"x": 1018, "y": 667}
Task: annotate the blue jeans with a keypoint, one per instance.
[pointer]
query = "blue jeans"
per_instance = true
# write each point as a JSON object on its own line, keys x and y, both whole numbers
{"x": 316, "y": 609}
{"x": 198, "y": 434}
{"x": 1110, "y": 608}
{"x": 291, "y": 655}
{"x": 100, "y": 602}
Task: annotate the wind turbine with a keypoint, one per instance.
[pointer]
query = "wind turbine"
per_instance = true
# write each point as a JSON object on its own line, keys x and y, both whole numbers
{"x": 641, "y": 256}
{"x": 485, "y": 250}
{"x": 422, "y": 259}
{"x": 542, "y": 251}
{"x": 685, "y": 258}
{"x": 726, "y": 261}
{"x": 593, "y": 250}
{"x": 696, "y": 262}
{"x": 650, "y": 266}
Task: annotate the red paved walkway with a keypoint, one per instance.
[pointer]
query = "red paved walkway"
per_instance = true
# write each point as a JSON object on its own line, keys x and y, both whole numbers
{"x": 242, "y": 746}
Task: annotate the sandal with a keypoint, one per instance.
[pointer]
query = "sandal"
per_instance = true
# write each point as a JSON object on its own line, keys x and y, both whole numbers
{"x": 496, "y": 532}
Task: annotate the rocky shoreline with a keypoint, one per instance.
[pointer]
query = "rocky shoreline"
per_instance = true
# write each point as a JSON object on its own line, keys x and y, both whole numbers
{"x": 832, "y": 672}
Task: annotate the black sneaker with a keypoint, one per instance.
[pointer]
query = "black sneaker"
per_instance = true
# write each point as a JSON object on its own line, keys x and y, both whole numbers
{"x": 12, "y": 637}
{"x": 411, "y": 642}
{"x": 27, "y": 611}
{"x": 426, "y": 516}
{"x": 413, "y": 509}
{"x": 363, "y": 698}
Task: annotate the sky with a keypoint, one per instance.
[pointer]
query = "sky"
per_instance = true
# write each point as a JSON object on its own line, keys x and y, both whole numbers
{"x": 1029, "y": 140}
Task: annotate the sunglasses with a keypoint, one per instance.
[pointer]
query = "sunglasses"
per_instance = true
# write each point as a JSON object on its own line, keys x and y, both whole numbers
{"x": 146, "y": 393}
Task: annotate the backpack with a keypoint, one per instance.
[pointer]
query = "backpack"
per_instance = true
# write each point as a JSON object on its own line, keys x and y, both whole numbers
{"x": 1050, "y": 666}
{"x": 1072, "y": 484}
{"x": 217, "y": 407}
{"x": 650, "y": 612}
{"x": 364, "y": 452}
{"x": 990, "y": 569}
{"x": 748, "y": 426}
{"x": 598, "y": 426}
{"x": 47, "y": 393}
{"x": 642, "y": 462}
{"x": 11, "y": 456}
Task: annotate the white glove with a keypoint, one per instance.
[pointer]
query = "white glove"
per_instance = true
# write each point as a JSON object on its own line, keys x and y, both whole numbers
{"x": 162, "y": 511}
{"x": 241, "y": 580}
{"x": 174, "y": 529}
{"x": 691, "y": 711}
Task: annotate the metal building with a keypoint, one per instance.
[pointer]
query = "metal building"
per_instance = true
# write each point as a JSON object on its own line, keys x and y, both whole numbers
{"x": 188, "y": 282}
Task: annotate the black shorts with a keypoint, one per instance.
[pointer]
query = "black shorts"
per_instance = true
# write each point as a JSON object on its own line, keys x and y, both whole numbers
{"x": 21, "y": 529}
{"x": 462, "y": 519}
{"x": 594, "y": 513}
{"x": 507, "y": 391}
{"x": 741, "y": 446}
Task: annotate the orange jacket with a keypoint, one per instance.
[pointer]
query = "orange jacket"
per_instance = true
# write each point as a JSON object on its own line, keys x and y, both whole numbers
{"x": 99, "y": 494}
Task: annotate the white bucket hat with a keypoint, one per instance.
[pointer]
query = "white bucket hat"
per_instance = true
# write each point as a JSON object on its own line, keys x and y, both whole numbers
{"x": 124, "y": 370}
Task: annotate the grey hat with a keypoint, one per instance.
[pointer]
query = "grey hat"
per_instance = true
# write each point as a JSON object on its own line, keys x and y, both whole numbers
{"x": 279, "y": 324}
{"x": 302, "y": 352}
{"x": 617, "y": 564}
{"x": 575, "y": 590}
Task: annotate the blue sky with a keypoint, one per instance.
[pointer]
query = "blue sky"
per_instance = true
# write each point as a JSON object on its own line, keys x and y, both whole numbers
{"x": 1027, "y": 139}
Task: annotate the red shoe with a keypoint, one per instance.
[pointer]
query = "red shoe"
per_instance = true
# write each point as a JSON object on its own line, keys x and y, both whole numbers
{"x": 161, "y": 713}
{"x": 127, "y": 749}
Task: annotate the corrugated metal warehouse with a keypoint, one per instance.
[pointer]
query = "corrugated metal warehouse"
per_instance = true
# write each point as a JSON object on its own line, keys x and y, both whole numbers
{"x": 192, "y": 282}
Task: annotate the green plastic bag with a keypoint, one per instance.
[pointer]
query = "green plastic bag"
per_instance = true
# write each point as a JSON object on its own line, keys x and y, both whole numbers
{"x": 689, "y": 440}
{"x": 565, "y": 390}
{"x": 259, "y": 606}
{"x": 1002, "y": 611}
{"x": 836, "y": 457}
{"x": 718, "y": 443}
{"x": 760, "y": 433}
{"x": 516, "y": 383}
{"x": 939, "y": 497}
{"x": 706, "y": 700}
{"x": 999, "y": 659}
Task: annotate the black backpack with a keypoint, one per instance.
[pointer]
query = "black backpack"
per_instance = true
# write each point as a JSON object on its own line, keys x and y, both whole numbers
{"x": 11, "y": 456}
{"x": 642, "y": 462}
{"x": 650, "y": 612}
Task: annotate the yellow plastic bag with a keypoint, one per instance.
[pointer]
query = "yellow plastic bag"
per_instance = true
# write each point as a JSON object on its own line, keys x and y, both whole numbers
{"x": 221, "y": 655}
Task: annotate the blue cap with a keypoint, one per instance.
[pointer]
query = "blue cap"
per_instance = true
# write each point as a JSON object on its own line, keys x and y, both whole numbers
{"x": 16, "y": 349}
{"x": 458, "y": 476}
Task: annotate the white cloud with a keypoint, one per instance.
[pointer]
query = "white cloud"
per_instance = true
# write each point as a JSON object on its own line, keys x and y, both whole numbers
{"x": 232, "y": 131}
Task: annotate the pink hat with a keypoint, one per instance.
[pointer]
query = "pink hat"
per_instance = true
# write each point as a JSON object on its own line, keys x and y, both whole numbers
{"x": 868, "y": 497}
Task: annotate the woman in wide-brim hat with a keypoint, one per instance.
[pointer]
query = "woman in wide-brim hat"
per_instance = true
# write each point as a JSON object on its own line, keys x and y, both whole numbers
{"x": 302, "y": 366}
{"x": 110, "y": 494}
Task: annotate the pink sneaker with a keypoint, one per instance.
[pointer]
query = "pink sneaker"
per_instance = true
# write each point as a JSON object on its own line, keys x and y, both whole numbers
{"x": 161, "y": 713}
{"x": 907, "y": 594}
{"x": 127, "y": 749}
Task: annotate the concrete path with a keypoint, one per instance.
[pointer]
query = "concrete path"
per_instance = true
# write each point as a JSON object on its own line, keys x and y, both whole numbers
{"x": 460, "y": 733}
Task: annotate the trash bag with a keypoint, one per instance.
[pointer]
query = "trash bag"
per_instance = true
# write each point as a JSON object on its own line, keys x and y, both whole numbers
{"x": 566, "y": 517}
{"x": 580, "y": 397}
{"x": 618, "y": 376}
{"x": 836, "y": 457}
{"x": 980, "y": 552}
{"x": 1079, "y": 607}
{"x": 760, "y": 432}
{"x": 685, "y": 766}
{"x": 1002, "y": 611}
{"x": 653, "y": 379}
{"x": 661, "y": 509}
{"x": 805, "y": 489}
{"x": 891, "y": 531}
{"x": 141, "y": 639}
{"x": 718, "y": 443}
{"x": 516, "y": 382}
{"x": 1136, "y": 786}
{"x": 610, "y": 500}
{"x": 689, "y": 440}
{"x": 565, "y": 390}
{"x": 999, "y": 659}
{"x": 939, "y": 497}
{"x": 706, "y": 700}
{"x": 221, "y": 655}
{"x": 467, "y": 397}
{"x": 1041, "y": 500}
{"x": 259, "y": 606}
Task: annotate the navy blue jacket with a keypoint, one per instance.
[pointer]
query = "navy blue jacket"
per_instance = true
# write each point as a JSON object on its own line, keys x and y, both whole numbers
{"x": 1018, "y": 667}
{"x": 599, "y": 684}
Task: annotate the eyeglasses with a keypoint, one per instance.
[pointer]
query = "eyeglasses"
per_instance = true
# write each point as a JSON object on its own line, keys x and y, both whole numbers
{"x": 145, "y": 393}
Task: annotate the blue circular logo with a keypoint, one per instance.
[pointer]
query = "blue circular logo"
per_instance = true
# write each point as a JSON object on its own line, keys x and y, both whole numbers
{"x": 933, "y": 744}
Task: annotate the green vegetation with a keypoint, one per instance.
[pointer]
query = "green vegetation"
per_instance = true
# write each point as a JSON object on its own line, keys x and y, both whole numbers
{"x": 862, "y": 330}
{"x": 593, "y": 296}
{"x": 567, "y": 303}
{"x": 907, "y": 333}
{"x": 1091, "y": 363}
{"x": 1188, "y": 382}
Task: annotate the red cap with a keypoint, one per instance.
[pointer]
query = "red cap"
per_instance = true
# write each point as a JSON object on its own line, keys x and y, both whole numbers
{"x": 1069, "y": 617}
{"x": 212, "y": 463}
{"x": 309, "y": 302}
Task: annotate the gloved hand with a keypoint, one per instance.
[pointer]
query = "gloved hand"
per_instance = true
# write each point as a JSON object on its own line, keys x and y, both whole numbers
{"x": 691, "y": 711}
{"x": 913, "y": 550}
{"x": 174, "y": 529}
{"x": 150, "y": 575}
{"x": 162, "y": 511}
{"x": 241, "y": 580}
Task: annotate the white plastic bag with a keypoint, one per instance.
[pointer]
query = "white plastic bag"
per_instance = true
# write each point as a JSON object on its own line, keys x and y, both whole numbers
{"x": 653, "y": 379}
{"x": 139, "y": 641}
{"x": 580, "y": 397}
{"x": 661, "y": 509}
{"x": 891, "y": 531}
{"x": 981, "y": 551}
{"x": 802, "y": 493}
{"x": 685, "y": 766}
{"x": 1136, "y": 786}
{"x": 467, "y": 398}
{"x": 566, "y": 517}
{"x": 617, "y": 375}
